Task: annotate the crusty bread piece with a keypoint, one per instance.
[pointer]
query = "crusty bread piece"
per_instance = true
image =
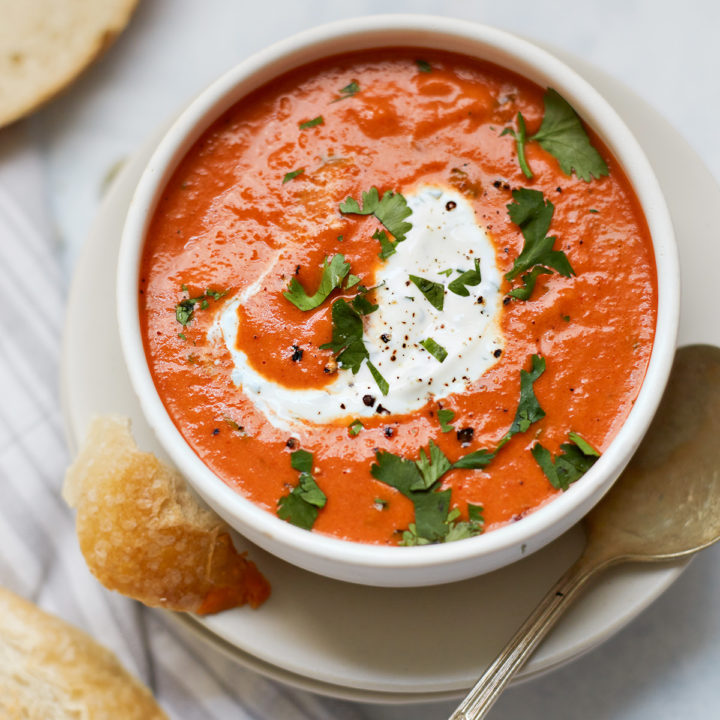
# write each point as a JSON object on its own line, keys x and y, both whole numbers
{"x": 45, "y": 44}
{"x": 50, "y": 670}
{"x": 145, "y": 535}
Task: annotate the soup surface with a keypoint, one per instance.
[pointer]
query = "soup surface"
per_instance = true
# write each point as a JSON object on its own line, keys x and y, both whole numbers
{"x": 364, "y": 315}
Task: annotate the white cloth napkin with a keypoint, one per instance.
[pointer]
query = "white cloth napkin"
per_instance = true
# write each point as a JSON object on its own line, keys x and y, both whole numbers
{"x": 39, "y": 555}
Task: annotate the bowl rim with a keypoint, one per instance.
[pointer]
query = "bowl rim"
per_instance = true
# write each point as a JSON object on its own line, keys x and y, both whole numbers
{"x": 379, "y": 564}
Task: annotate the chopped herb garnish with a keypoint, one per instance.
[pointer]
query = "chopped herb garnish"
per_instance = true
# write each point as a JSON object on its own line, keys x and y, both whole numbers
{"x": 566, "y": 318}
{"x": 420, "y": 480}
{"x": 355, "y": 427}
{"x": 382, "y": 383}
{"x": 348, "y": 91}
{"x": 434, "y": 292}
{"x": 584, "y": 445}
{"x": 446, "y": 416}
{"x": 347, "y": 332}
{"x": 312, "y": 123}
{"x": 533, "y": 215}
{"x": 435, "y": 349}
{"x": 465, "y": 528}
{"x": 182, "y": 336}
{"x": 215, "y": 294}
{"x": 292, "y": 175}
{"x": 593, "y": 210}
{"x": 339, "y": 238}
{"x": 469, "y": 277}
{"x": 362, "y": 304}
{"x": 391, "y": 211}
{"x": 424, "y": 66}
{"x": 475, "y": 460}
{"x": 431, "y": 506}
{"x": 563, "y": 136}
{"x": 381, "y": 502}
{"x": 528, "y": 410}
{"x": 387, "y": 247}
{"x": 332, "y": 277}
{"x": 301, "y": 506}
{"x": 446, "y": 273}
{"x": 520, "y": 140}
{"x": 185, "y": 309}
{"x": 432, "y": 466}
{"x": 577, "y": 457}
{"x": 351, "y": 281}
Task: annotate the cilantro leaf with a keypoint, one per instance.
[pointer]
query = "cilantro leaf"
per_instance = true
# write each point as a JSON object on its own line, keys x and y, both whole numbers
{"x": 446, "y": 416}
{"x": 185, "y": 309}
{"x": 528, "y": 410}
{"x": 431, "y": 507}
{"x": 382, "y": 383}
{"x": 347, "y": 332}
{"x": 435, "y": 349}
{"x": 469, "y": 277}
{"x": 301, "y": 505}
{"x": 576, "y": 459}
{"x": 520, "y": 140}
{"x": 434, "y": 292}
{"x": 355, "y": 427}
{"x": 419, "y": 481}
{"x": 352, "y": 88}
{"x": 347, "y": 335}
{"x": 362, "y": 305}
{"x": 396, "y": 471}
{"x": 295, "y": 510}
{"x": 424, "y": 66}
{"x": 584, "y": 445}
{"x": 431, "y": 512}
{"x": 387, "y": 247}
{"x": 332, "y": 277}
{"x": 215, "y": 294}
{"x": 465, "y": 528}
{"x": 475, "y": 460}
{"x": 563, "y": 136}
{"x": 411, "y": 538}
{"x": 529, "y": 280}
{"x": 431, "y": 468}
{"x": 292, "y": 175}
{"x": 475, "y": 513}
{"x": 351, "y": 281}
{"x": 301, "y": 460}
{"x": 533, "y": 215}
{"x": 312, "y": 123}
{"x": 391, "y": 211}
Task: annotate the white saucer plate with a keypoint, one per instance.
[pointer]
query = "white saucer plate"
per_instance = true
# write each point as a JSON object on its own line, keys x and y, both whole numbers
{"x": 400, "y": 645}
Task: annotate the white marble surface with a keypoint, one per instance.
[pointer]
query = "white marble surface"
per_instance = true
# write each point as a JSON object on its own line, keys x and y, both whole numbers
{"x": 664, "y": 665}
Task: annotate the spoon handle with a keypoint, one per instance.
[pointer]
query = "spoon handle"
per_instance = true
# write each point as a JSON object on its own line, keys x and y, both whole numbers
{"x": 487, "y": 690}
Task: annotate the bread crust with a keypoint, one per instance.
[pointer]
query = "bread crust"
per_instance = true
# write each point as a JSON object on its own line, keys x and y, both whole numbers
{"x": 145, "y": 535}
{"x": 46, "y": 44}
{"x": 50, "y": 670}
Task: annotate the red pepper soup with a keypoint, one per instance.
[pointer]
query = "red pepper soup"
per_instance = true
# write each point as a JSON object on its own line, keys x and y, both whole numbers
{"x": 399, "y": 297}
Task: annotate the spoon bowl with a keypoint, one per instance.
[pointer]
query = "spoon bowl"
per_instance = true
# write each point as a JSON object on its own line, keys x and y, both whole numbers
{"x": 667, "y": 502}
{"x": 665, "y": 505}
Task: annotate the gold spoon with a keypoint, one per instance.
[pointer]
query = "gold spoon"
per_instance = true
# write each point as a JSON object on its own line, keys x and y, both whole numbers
{"x": 665, "y": 505}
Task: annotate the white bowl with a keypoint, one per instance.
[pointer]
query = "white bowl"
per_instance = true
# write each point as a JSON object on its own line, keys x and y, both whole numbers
{"x": 373, "y": 564}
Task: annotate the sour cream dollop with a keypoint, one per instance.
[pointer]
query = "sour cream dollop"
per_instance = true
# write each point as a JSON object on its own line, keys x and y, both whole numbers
{"x": 445, "y": 236}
